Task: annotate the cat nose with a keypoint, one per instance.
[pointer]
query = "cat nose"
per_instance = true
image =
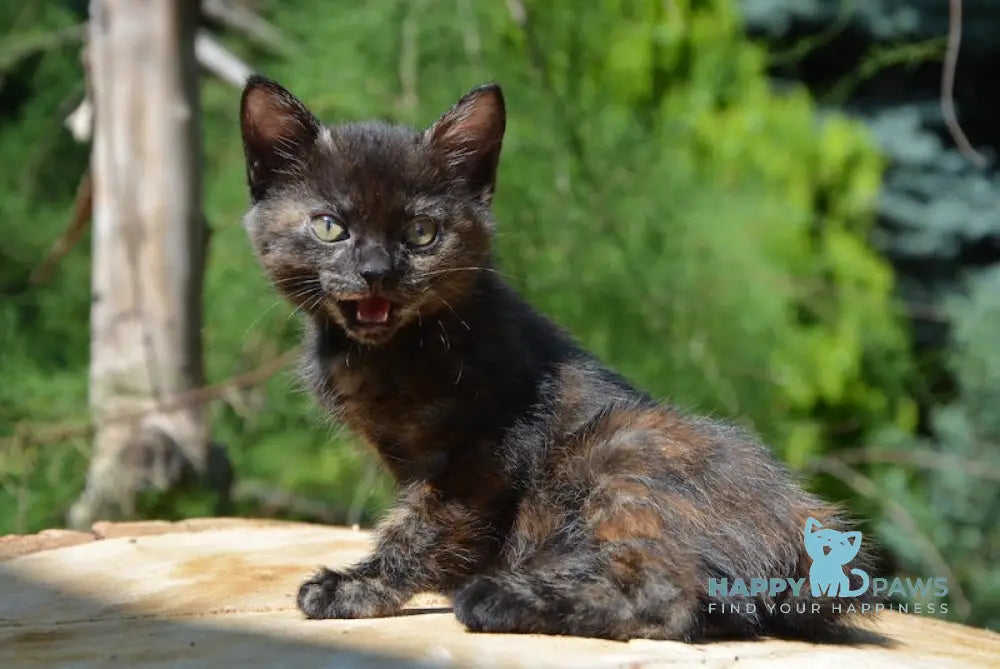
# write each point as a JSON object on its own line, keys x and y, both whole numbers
{"x": 374, "y": 264}
{"x": 374, "y": 272}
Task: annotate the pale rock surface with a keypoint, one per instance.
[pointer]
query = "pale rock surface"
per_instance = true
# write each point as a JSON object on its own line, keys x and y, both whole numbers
{"x": 220, "y": 593}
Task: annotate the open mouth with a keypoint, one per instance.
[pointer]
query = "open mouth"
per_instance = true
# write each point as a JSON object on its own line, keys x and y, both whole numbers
{"x": 371, "y": 312}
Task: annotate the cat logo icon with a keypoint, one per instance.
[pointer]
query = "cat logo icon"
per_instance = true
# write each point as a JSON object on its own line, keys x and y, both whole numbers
{"x": 830, "y": 550}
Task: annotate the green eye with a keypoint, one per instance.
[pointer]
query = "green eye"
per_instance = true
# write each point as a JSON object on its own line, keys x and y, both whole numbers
{"x": 327, "y": 229}
{"x": 420, "y": 232}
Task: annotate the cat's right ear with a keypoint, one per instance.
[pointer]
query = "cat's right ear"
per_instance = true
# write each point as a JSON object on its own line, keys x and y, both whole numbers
{"x": 811, "y": 525}
{"x": 277, "y": 131}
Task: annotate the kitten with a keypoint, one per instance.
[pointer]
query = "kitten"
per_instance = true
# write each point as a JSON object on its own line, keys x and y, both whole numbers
{"x": 540, "y": 490}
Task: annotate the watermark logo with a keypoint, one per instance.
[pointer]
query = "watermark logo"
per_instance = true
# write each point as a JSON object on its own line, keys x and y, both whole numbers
{"x": 830, "y": 550}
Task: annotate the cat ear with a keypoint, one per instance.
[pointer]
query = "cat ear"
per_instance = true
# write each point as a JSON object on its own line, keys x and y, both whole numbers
{"x": 468, "y": 136}
{"x": 854, "y": 541}
{"x": 812, "y": 525}
{"x": 277, "y": 131}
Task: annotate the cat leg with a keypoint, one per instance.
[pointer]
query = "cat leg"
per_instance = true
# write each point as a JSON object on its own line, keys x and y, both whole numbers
{"x": 613, "y": 568}
{"x": 426, "y": 543}
{"x": 607, "y": 591}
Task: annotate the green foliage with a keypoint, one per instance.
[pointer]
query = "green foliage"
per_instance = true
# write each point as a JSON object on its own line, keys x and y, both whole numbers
{"x": 700, "y": 231}
{"x": 734, "y": 219}
{"x": 937, "y": 224}
{"x": 722, "y": 226}
{"x": 957, "y": 508}
{"x": 43, "y": 334}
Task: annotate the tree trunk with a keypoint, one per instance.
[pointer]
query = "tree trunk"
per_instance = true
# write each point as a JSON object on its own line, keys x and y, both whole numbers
{"x": 148, "y": 254}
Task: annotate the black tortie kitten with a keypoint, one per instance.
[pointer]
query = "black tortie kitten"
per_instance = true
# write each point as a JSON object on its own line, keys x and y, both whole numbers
{"x": 539, "y": 489}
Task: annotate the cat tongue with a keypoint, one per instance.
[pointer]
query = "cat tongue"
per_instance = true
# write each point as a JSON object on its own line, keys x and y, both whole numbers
{"x": 373, "y": 310}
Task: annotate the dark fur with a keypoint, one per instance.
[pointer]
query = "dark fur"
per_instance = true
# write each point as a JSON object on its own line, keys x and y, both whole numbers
{"x": 539, "y": 489}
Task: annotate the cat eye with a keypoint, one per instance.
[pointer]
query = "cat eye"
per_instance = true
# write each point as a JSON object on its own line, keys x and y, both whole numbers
{"x": 420, "y": 232}
{"x": 327, "y": 229}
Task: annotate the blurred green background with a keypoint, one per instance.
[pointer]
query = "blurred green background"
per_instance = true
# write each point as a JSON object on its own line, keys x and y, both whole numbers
{"x": 751, "y": 208}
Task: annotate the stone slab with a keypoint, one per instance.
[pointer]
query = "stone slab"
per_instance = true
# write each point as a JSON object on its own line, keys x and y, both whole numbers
{"x": 220, "y": 592}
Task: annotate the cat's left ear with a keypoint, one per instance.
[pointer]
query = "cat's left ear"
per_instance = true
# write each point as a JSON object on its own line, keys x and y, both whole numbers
{"x": 469, "y": 135}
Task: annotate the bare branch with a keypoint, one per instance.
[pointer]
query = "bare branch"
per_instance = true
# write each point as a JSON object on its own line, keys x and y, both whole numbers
{"x": 277, "y": 502}
{"x": 409, "y": 66}
{"x": 82, "y": 211}
{"x": 238, "y": 17}
{"x": 866, "y": 487}
{"x": 80, "y": 121}
{"x": 517, "y": 12}
{"x": 923, "y": 459}
{"x": 50, "y": 435}
{"x": 948, "y": 86}
{"x": 219, "y": 60}
{"x": 470, "y": 32}
{"x": 17, "y": 50}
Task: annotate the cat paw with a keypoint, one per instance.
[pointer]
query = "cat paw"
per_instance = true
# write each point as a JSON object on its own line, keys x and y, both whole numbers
{"x": 317, "y": 596}
{"x": 486, "y": 605}
{"x": 331, "y": 594}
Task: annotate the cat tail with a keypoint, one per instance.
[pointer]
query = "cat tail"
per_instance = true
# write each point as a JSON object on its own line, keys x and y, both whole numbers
{"x": 861, "y": 589}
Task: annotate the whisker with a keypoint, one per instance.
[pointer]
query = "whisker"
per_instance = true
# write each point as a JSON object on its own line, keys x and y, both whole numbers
{"x": 303, "y": 292}
{"x": 296, "y": 311}
{"x": 444, "y": 335}
{"x": 298, "y": 278}
{"x": 257, "y": 320}
{"x": 448, "y": 304}
{"x": 448, "y": 270}
{"x": 317, "y": 301}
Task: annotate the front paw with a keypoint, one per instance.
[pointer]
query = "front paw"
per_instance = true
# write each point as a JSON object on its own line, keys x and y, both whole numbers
{"x": 318, "y": 596}
{"x": 331, "y": 594}
{"x": 487, "y": 605}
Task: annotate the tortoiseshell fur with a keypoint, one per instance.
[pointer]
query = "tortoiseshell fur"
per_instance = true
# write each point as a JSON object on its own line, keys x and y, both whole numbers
{"x": 539, "y": 489}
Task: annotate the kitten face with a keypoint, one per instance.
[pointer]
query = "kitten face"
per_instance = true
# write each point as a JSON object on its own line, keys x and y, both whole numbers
{"x": 373, "y": 225}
